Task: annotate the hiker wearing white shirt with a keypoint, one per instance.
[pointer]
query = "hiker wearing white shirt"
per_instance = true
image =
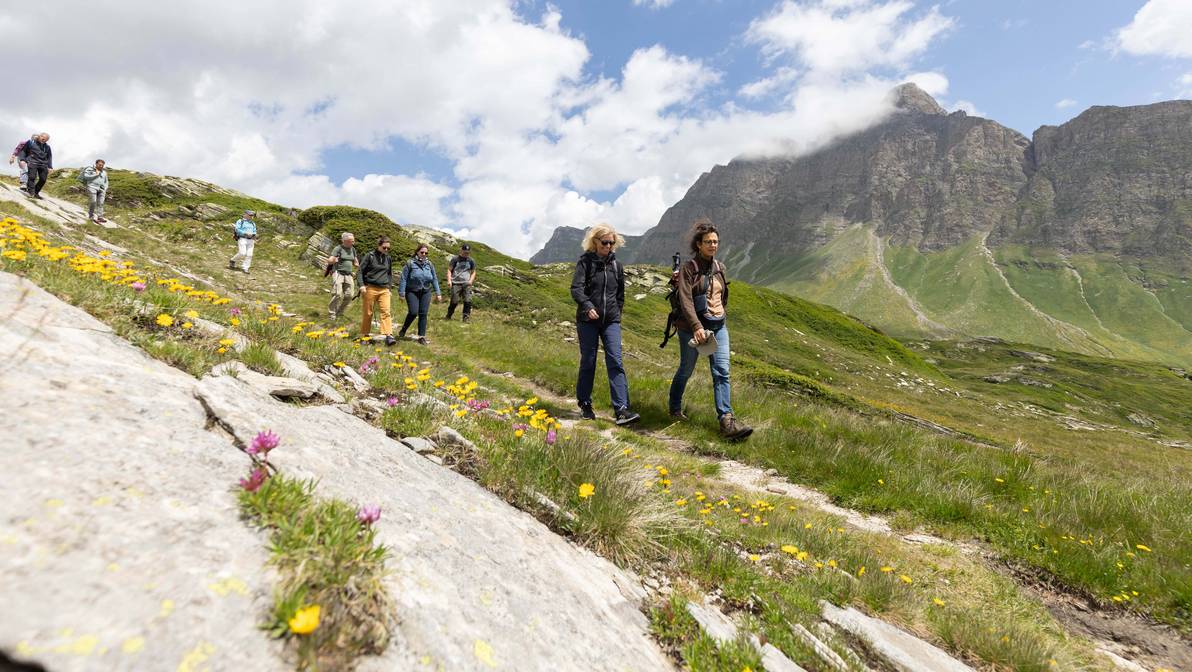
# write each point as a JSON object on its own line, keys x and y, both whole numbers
{"x": 246, "y": 239}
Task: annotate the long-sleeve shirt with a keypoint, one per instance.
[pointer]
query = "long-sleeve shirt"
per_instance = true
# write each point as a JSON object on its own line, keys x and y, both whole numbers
{"x": 417, "y": 276}
{"x": 246, "y": 227}
{"x": 94, "y": 179}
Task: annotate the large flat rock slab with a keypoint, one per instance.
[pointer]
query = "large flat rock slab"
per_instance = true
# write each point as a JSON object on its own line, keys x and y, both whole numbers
{"x": 479, "y": 585}
{"x": 121, "y": 546}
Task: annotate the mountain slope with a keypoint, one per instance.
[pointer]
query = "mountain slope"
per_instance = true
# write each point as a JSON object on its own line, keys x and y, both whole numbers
{"x": 936, "y": 225}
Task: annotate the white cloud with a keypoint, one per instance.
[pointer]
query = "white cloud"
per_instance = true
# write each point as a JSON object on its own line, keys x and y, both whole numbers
{"x": 1185, "y": 86}
{"x": 1161, "y": 27}
{"x": 968, "y": 107}
{"x": 213, "y": 91}
{"x": 841, "y": 37}
{"x": 1065, "y": 103}
{"x": 653, "y": 4}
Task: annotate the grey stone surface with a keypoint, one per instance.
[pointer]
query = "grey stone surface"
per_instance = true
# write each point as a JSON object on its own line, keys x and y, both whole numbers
{"x": 899, "y": 648}
{"x": 475, "y": 580}
{"x": 279, "y": 386}
{"x": 825, "y": 652}
{"x": 121, "y": 546}
{"x": 446, "y": 436}
{"x": 53, "y": 209}
{"x": 722, "y": 629}
{"x": 419, "y": 444}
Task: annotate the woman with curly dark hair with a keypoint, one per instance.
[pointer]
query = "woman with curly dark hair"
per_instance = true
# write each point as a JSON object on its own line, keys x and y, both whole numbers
{"x": 702, "y": 287}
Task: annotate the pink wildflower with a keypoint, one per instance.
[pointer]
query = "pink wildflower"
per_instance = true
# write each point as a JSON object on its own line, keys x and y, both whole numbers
{"x": 255, "y": 479}
{"x": 139, "y": 286}
{"x": 367, "y": 515}
{"x": 263, "y": 443}
{"x": 235, "y": 312}
{"x": 392, "y": 401}
{"x": 551, "y": 437}
{"x": 520, "y": 425}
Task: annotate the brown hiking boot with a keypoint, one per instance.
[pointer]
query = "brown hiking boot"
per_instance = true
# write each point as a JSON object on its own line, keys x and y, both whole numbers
{"x": 733, "y": 430}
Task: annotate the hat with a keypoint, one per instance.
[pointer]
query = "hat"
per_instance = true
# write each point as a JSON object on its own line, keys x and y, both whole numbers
{"x": 250, "y": 212}
{"x": 465, "y": 246}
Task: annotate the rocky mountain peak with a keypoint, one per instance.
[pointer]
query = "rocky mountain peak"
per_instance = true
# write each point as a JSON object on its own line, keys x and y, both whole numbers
{"x": 910, "y": 98}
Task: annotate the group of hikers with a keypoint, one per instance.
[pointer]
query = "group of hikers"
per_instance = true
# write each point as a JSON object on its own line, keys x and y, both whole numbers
{"x": 699, "y": 317}
{"x": 699, "y": 307}
{"x": 699, "y": 295}
{"x": 370, "y": 276}
{"x": 35, "y": 159}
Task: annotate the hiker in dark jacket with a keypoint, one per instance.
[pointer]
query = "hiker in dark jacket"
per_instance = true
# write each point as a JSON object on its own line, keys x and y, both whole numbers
{"x": 376, "y": 277}
{"x": 598, "y": 288}
{"x": 702, "y": 287}
{"x": 418, "y": 277}
{"x": 39, "y": 160}
{"x": 461, "y": 273}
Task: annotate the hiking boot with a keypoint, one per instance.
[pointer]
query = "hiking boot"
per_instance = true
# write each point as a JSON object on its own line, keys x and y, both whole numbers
{"x": 627, "y": 417}
{"x": 586, "y": 412}
{"x": 466, "y": 317}
{"x": 231, "y": 264}
{"x": 101, "y": 220}
{"x": 390, "y": 340}
{"x": 731, "y": 429}
{"x": 678, "y": 415}
{"x": 422, "y": 340}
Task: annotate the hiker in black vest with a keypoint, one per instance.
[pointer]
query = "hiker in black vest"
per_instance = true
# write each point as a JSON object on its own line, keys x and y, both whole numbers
{"x": 417, "y": 279}
{"x": 598, "y": 288}
{"x": 39, "y": 160}
{"x": 461, "y": 273}
{"x": 702, "y": 288}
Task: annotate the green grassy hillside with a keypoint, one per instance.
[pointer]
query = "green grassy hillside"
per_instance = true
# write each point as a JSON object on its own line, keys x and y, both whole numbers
{"x": 1032, "y": 448}
{"x": 1090, "y": 304}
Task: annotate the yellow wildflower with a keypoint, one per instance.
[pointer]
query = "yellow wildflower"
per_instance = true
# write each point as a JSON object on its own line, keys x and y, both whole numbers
{"x": 235, "y": 322}
{"x": 937, "y": 602}
{"x": 520, "y": 433}
{"x": 793, "y": 550}
{"x": 905, "y": 579}
{"x": 165, "y": 320}
{"x": 192, "y": 313}
{"x": 227, "y": 342}
{"x": 887, "y": 570}
{"x": 187, "y": 325}
{"x": 305, "y": 620}
{"x": 1142, "y": 547}
{"x": 861, "y": 571}
{"x": 755, "y": 558}
{"x": 586, "y": 490}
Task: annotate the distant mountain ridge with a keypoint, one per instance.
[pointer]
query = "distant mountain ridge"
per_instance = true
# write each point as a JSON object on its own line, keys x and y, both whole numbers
{"x": 938, "y": 224}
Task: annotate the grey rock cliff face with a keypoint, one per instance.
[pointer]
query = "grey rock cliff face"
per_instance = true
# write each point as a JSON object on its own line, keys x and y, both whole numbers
{"x": 1113, "y": 180}
{"x": 928, "y": 178}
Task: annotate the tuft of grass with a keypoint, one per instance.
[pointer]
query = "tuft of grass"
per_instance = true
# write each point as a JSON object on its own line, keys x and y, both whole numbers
{"x": 327, "y": 558}
{"x": 681, "y": 635}
{"x": 261, "y": 357}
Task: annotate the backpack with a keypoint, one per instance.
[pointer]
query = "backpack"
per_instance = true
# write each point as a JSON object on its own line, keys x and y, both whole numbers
{"x": 676, "y": 308}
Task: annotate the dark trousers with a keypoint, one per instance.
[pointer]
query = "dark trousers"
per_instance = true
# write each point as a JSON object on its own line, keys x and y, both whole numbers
{"x": 417, "y": 305}
{"x": 38, "y": 175}
{"x": 591, "y": 336}
{"x": 460, "y": 293}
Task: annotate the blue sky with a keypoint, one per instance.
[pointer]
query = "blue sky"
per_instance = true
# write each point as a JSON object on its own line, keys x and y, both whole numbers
{"x": 1014, "y": 60}
{"x": 500, "y": 120}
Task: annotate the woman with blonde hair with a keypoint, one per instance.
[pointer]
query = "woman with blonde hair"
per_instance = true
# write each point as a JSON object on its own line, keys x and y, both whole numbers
{"x": 598, "y": 287}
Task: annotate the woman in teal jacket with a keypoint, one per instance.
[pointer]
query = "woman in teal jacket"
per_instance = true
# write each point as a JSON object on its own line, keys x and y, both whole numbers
{"x": 417, "y": 279}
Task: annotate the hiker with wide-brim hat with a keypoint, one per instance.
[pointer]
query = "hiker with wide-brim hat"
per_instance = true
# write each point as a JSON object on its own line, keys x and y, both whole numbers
{"x": 702, "y": 287}
{"x": 598, "y": 288}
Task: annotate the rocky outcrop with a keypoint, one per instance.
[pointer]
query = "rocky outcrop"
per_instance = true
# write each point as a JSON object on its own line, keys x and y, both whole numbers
{"x": 565, "y": 246}
{"x": 925, "y": 178}
{"x": 1113, "y": 180}
{"x": 121, "y": 545}
{"x": 129, "y": 554}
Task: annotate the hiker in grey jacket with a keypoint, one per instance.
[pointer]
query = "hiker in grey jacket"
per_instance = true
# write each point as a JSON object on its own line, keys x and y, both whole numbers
{"x": 95, "y": 179}
{"x": 39, "y": 160}
{"x": 24, "y": 167}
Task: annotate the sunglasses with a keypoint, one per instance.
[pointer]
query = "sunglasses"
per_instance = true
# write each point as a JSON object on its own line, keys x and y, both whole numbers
{"x": 608, "y": 243}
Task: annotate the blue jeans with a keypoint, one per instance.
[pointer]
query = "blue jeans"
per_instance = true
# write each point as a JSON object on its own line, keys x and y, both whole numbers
{"x": 719, "y": 361}
{"x": 591, "y": 334}
{"x": 417, "y": 306}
